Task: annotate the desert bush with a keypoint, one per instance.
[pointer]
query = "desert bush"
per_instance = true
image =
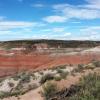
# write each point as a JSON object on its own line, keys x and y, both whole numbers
{"x": 4, "y": 94}
{"x": 54, "y": 68}
{"x": 1, "y": 79}
{"x": 33, "y": 86}
{"x": 19, "y": 90}
{"x": 58, "y": 67}
{"x": 74, "y": 71}
{"x": 70, "y": 64}
{"x": 79, "y": 68}
{"x": 62, "y": 66}
{"x": 96, "y": 63}
{"x": 46, "y": 77}
{"x": 49, "y": 89}
{"x": 64, "y": 74}
{"x": 41, "y": 73}
{"x": 59, "y": 71}
{"x": 25, "y": 78}
{"x": 33, "y": 76}
{"x": 57, "y": 78}
{"x": 9, "y": 94}
{"x": 89, "y": 88}
{"x": 16, "y": 77}
{"x": 11, "y": 84}
{"x": 90, "y": 66}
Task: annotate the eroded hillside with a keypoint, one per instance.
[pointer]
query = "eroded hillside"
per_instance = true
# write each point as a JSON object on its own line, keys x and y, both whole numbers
{"x": 16, "y": 56}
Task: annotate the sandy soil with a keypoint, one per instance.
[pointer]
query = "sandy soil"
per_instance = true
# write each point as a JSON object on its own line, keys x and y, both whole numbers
{"x": 32, "y": 95}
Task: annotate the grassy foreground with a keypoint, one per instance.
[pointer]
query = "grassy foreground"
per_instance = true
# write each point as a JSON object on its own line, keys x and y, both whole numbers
{"x": 87, "y": 89}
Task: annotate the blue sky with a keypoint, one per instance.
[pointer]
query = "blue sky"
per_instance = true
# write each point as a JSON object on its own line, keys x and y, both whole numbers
{"x": 50, "y": 19}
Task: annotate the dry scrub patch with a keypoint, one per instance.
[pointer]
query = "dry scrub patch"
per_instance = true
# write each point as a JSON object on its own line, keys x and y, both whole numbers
{"x": 31, "y": 82}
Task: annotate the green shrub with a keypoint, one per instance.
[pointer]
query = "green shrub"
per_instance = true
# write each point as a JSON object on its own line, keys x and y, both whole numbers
{"x": 90, "y": 66}
{"x": 58, "y": 67}
{"x": 54, "y": 68}
{"x": 49, "y": 89}
{"x": 41, "y": 73}
{"x": 57, "y": 78}
{"x": 1, "y": 79}
{"x": 11, "y": 84}
{"x": 89, "y": 88}
{"x": 96, "y": 63}
{"x": 4, "y": 94}
{"x": 64, "y": 74}
{"x": 62, "y": 66}
{"x": 25, "y": 78}
{"x": 59, "y": 71}
{"x": 80, "y": 67}
{"x": 33, "y": 86}
{"x": 46, "y": 77}
{"x": 16, "y": 77}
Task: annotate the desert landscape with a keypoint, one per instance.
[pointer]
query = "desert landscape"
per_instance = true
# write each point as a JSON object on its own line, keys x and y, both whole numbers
{"x": 26, "y": 67}
{"x": 41, "y": 54}
{"x": 49, "y": 49}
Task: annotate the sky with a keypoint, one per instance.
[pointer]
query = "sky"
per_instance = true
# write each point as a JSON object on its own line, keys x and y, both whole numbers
{"x": 49, "y": 19}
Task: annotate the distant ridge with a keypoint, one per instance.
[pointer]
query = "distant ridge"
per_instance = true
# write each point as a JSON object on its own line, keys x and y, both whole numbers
{"x": 52, "y": 43}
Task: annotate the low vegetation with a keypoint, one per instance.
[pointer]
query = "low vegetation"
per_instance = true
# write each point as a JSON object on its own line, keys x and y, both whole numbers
{"x": 96, "y": 63}
{"x": 25, "y": 81}
{"x": 89, "y": 88}
{"x": 49, "y": 89}
{"x": 46, "y": 78}
{"x": 57, "y": 78}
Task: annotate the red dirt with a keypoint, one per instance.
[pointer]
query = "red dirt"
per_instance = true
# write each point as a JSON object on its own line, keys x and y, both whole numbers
{"x": 12, "y": 64}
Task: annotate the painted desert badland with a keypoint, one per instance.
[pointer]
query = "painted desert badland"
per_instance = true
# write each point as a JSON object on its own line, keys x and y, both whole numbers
{"x": 47, "y": 69}
{"x": 42, "y": 54}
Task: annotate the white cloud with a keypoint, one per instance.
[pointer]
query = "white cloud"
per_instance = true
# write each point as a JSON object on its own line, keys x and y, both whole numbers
{"x": 52, "y": 36}
{"x": 6, "y": 25}
{"x": 70, "y": 11}
{"x": 67, "y": 34}
{"x": 93, "y": 4}
{"x": 76, "y": 22}
{"x": 6, "y": 32}
{"x": 53, "y": 30}
{"x": 38, "y": 5}
{"x": 64, "y": 12}
{"x": 92, "y": 28}
{"x": 63, "y": 35}
{"x": 96, "y": 2}
{"x": 52, "y": 19}
{"x": 90, "y": 33}
{"x": 81, "y": 13}
{"x": 58, "y": 29}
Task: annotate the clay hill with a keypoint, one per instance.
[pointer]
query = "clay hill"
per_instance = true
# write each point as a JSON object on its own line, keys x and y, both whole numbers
{"x": 21, "y": 55}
